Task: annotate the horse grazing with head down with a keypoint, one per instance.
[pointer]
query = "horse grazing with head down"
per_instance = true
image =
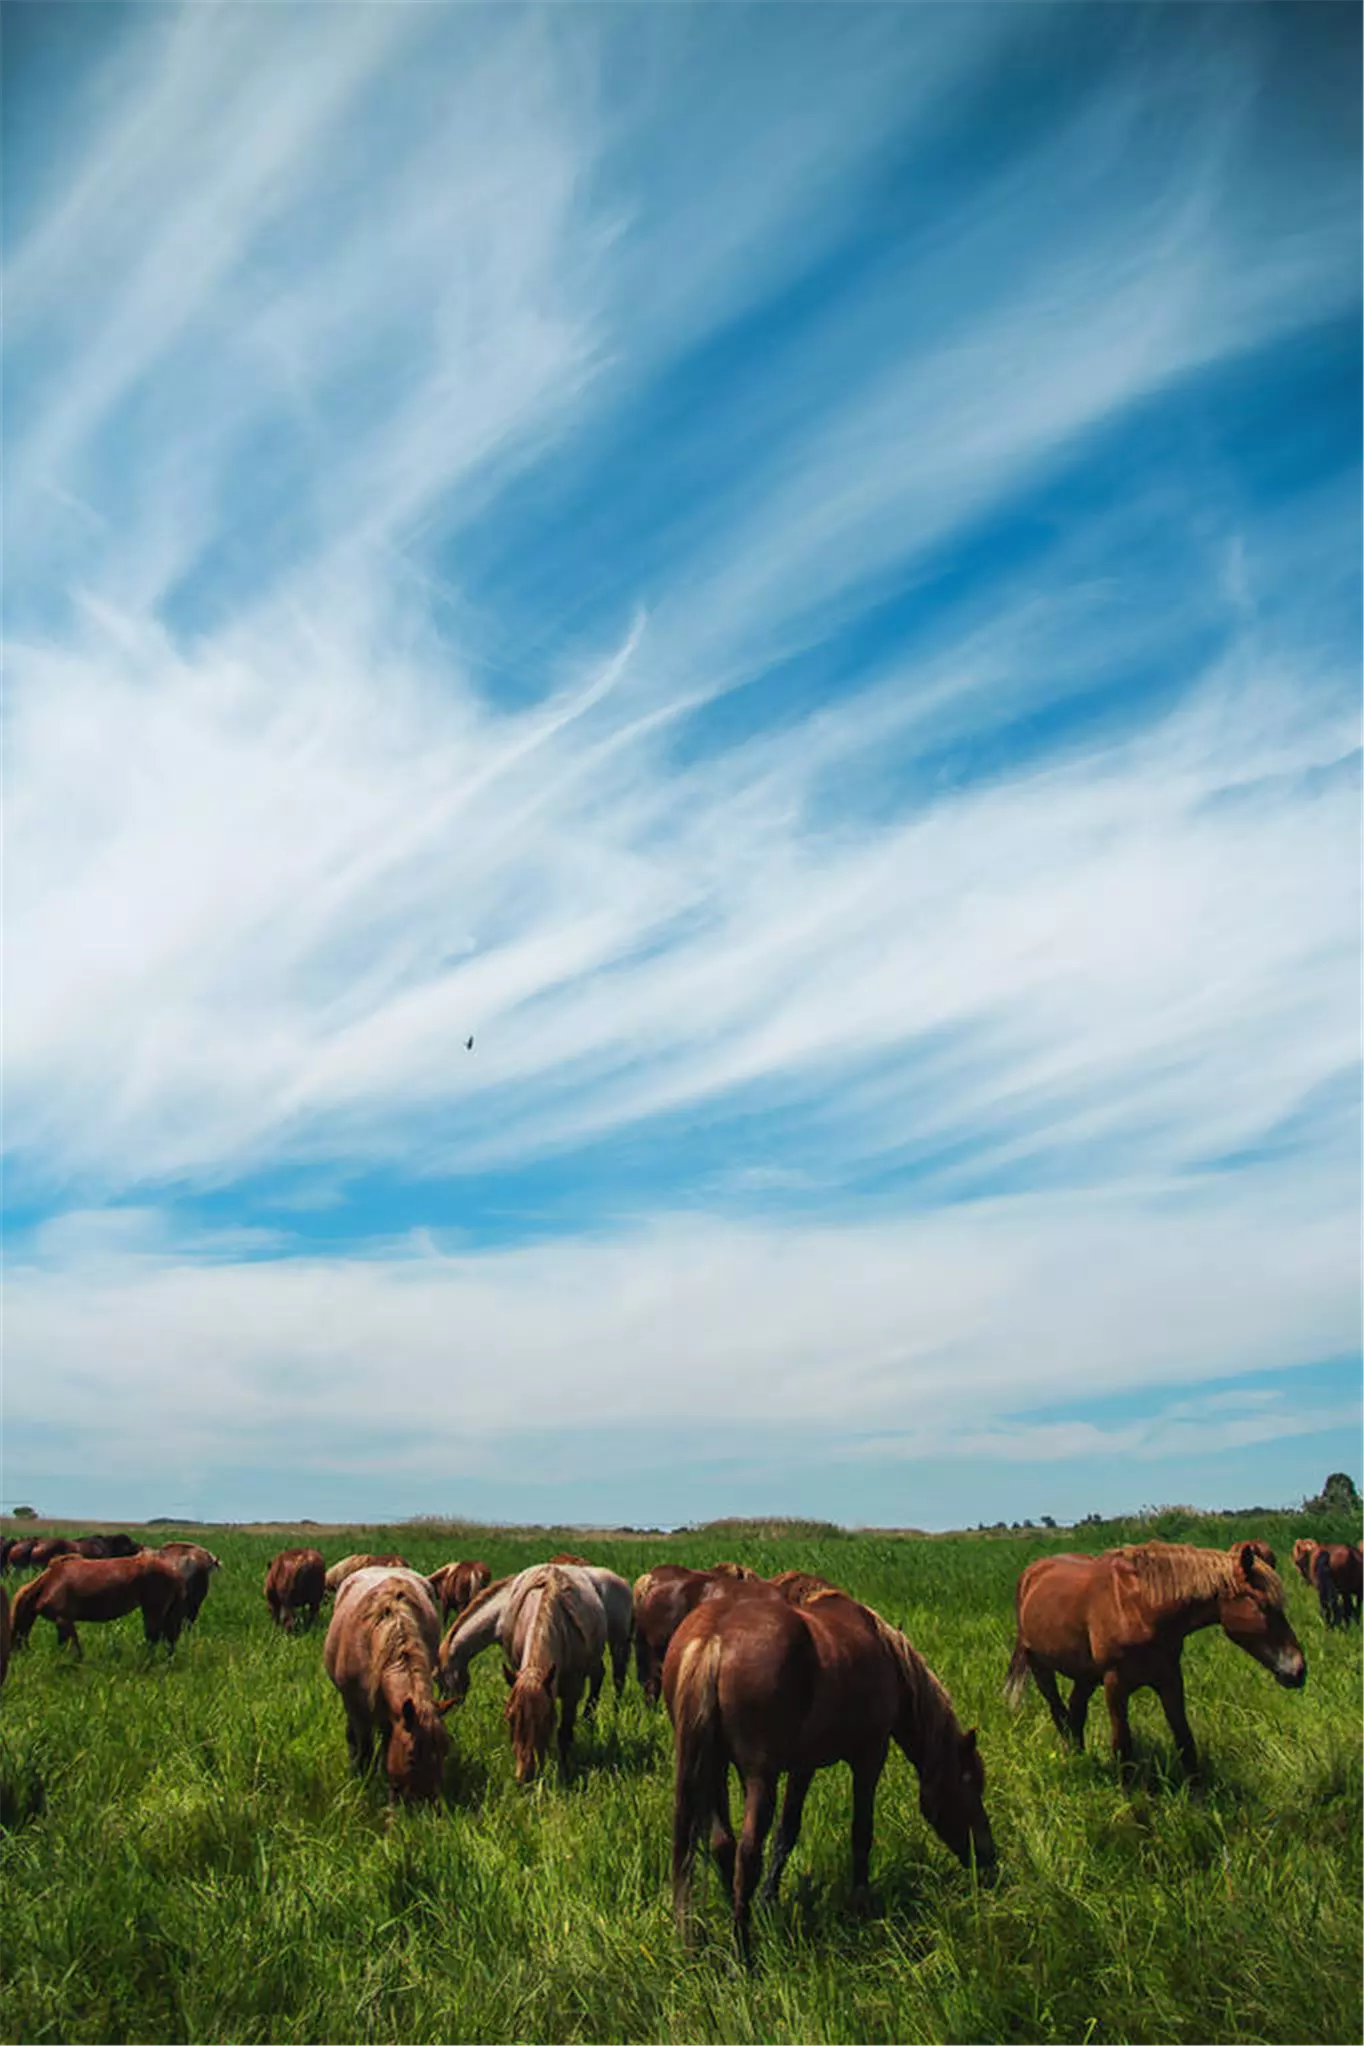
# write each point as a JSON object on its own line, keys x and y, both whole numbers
{"x": 456, "y": 1583}
{"x": 80, "y": 1588}
{"x": 1120, "y": 1619}
{"x": 552, "y": 1629}
{"x": 780, "y": 1688}
{"x": 295, "y": 1583}
{"x": 662, "y": 1599}
{"x": 380, "y": 1653}
{"x": 348, "y": 1565}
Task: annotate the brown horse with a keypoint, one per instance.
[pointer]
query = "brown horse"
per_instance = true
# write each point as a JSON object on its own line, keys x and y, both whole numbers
{"x": 80, "y": 1588}
{"x": 1333, "y": 1571}
{"x": 295, "y": 1583}
{"x": 1121, "y": 1619}
{"x": 380, "y": 1653}
{"x": 1258, "y": 1548}
{"x": 348, "y": 1565}
{"x": 663, "y": 1597}
{"x": 100, "y": 1546}
{"x": 456, "y": 1583}
{"x": 778, "y": 1688}
{"x": 47, "y": 1551}
{"x": 196, "y": 1565}
{"x": 19, "y": 1551}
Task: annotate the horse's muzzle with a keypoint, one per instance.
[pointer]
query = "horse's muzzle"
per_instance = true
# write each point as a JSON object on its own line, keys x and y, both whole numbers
{"x": 1292, "y": 1675}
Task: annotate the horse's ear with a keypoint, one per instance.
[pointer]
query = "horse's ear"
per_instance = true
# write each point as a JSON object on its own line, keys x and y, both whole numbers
{"x": 508, "y": 1673}
{"x": 969, "y": 1742}
{"x": 409, "y": 1715}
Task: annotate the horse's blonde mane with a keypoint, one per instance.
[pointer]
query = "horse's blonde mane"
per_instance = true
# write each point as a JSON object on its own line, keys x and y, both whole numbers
{"x": 1172, "y": 1571}
{"x": 397, "y": 1643}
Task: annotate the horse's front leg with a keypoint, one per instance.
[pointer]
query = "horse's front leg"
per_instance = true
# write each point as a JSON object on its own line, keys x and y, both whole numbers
{"x": 760, "y": 1801}
{"x": 866, "y": 1776}
{"x": 595, "y": 1682}
{"x": 1081, "y": 1691}
{"x": 1045, "y": 1680}
{"x": 568, "y": 1712}
{"x": 1115, "y": 1691}
{"x": 1170, "y": 1691}
{"x": 66, "y": 1633}
{"x": 788, "y": 1831}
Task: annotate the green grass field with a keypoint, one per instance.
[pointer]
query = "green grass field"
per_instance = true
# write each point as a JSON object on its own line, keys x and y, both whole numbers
{"x": 185, "y": 1855}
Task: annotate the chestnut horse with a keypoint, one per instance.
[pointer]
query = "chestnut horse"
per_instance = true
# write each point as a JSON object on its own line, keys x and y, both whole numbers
{"x": 348, "y": 1565}
{"x": 295, "y": 1583}
{"x": 775, "y": 1688}
{"x": 1121, "y": 1619}
{"x": 196, "y": 1565}
{"x": 79, "y": 1588}
{"x": 1333, "y": 1571}
{"x": 456, "y": 1583}
{"x": 663, "y": 1597}
{"x": 380, "y": 1653}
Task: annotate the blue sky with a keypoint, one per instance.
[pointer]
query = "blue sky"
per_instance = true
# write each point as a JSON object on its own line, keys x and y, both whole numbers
{"x": 795, "y": 571}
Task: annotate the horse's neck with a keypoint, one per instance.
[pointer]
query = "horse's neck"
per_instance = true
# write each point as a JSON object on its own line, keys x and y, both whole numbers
{"x": 1187, "y": 1615}
{"x": 927, "y": 1720}
{"x": 477, "y": 1632}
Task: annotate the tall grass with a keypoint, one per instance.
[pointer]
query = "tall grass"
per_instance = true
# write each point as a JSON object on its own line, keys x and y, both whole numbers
{"x": 185, "y": 1855}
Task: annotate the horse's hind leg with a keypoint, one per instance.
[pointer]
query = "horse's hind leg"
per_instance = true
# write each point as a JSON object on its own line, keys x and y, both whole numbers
{"x": 595, "y": 1682}
{"x": 66, "y": 1632}
{"x": 760, "y": 1801}
{"x": 1045, "y": 1680}
{"x": 721, "y": 1830}
{"x": 787, "y": 1833}
{"x": 620, "y": 1664}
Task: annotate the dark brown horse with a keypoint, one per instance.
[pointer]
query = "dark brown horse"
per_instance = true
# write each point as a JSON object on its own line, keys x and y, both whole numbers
{"x": 1120, "y": 1619}
{"x": 380, "y": 1653}
{"x": 663, "y": 1597}
{"x": 196, "y": 1565}
{"x": 18, "y": 1552}
{"x": 774, "y": 1689}
{"x": 1258, "y": 1548}
{"x": 295, "y": 1584}
{"x": 99, "y": 1547}
{"x": 456, "y": 1583}
{"x": 81, "y": 1588}
{"x": 47, "y": 1550}
{"x": 1333, "y": 1571}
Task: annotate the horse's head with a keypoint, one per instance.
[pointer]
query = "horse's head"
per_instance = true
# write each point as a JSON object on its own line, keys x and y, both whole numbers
{"x": 952, "y": 1799}
{"x": 417, "y": 1747}
{"x": 1304, "y": 1555}
{"x": 1252, "y": 1615}
{"x": 530, "y": 1718}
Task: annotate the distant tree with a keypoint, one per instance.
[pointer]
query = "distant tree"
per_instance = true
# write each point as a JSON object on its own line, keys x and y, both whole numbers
{"x": 1337, "y": 1495}
{"x": 25, "y": 1513}
{"x": 1047, "y": 1520}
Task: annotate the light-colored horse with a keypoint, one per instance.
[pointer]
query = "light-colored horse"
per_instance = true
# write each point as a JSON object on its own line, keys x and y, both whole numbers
{"x": 477, "y": 1626}
{"x": 551, "y": 1626}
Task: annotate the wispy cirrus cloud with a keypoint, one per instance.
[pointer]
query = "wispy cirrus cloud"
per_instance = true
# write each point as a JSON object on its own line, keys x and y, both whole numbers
{"x": 822, "y": 613}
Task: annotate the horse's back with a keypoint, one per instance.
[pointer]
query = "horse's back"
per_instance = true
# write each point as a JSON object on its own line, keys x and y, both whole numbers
{"x": 1060, "y": 1600}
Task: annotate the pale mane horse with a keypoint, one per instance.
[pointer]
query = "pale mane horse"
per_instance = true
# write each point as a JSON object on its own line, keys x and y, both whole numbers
{"x": 380, "y": 1653}
{"x": 551, "y": 1626}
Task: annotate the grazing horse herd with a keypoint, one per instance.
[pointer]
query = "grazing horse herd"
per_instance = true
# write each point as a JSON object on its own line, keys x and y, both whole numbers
{"x": 773, "y": 1678}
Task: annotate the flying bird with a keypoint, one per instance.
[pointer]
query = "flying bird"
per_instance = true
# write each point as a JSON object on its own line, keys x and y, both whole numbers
{"x": 468, "y": 1044}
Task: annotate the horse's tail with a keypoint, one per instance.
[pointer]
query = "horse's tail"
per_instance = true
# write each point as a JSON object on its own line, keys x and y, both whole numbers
{"x": 696, "y": 1730}
{"x": 24, "y": 1611}
{"x": 1017, "y": 1680}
